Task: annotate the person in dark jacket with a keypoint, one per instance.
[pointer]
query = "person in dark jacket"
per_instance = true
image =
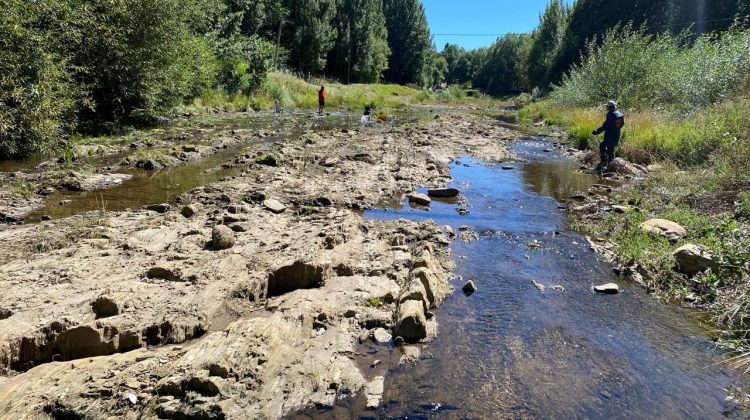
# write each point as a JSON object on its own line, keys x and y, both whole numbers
{"x": 611, "y": 129}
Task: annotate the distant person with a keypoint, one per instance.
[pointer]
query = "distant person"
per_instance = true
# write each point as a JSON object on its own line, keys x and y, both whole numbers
{"x": 366, "y": 115}
{"x": 321, "y": 99}
{"x": 611, "y": 129}
{"x": 368, "y": 110}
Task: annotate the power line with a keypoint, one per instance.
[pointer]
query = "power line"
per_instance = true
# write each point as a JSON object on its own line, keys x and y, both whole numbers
{"x": 592, "y": 32}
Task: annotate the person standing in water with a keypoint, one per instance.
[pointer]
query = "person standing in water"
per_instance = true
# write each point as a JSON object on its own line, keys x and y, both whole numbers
{"x": 321, "y": 99}
{"x": 611, "y": 128}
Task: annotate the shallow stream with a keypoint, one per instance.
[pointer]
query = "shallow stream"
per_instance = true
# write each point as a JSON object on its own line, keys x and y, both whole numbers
{"x": 511, "y": 350}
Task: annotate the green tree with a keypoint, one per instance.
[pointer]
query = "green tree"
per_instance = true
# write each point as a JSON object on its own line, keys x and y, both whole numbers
{"x": 546, "y": 41}
{"x": 312, "y": 34}
{"x": 501, "y": 69}
{"x": 409, "y": 40}
{"x": 361, "y": 51}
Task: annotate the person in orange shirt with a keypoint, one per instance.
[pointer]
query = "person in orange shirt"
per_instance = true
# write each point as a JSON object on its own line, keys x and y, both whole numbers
{"x": 321, "y": 99}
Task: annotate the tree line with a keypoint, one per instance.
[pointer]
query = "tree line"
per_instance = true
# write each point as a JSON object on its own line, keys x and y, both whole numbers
{"x": 86, "y": 66}
{"x": 540, "y": 59}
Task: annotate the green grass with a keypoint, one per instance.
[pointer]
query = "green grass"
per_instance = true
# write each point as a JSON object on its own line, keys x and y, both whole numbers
{"x": 292, "y": 92}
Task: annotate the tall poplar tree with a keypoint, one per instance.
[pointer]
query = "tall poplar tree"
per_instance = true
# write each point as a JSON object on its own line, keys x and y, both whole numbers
{"x": 409, "y": 40}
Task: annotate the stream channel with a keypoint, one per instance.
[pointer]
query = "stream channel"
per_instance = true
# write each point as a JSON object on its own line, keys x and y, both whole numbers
{"x": 513, "y": 351}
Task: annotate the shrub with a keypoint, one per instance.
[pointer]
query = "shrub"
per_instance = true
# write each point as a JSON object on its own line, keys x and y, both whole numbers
{"x": 244, "y": 64}
{"x": 36, "y": 94}
{"x": 662, "y": 71}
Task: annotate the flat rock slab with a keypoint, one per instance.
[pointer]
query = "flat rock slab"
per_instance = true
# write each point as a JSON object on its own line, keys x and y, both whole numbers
{"x": 443, "y": 192}
{"x": 607, "y": 289}
{"x": 274, "y": 206}
{"x": 662, "y": 227}
{"x": 419, "y": 199}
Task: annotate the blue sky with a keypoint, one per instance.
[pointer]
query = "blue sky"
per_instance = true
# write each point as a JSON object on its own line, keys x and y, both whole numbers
{"x": 480, "y": 17}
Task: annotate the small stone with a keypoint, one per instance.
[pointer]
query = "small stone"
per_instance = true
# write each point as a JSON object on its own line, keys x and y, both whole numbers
{"x": 419, "y": 199}
{"x": 375, "y": 363}
{"x": 608, "y": 289}
{"x": 692, "y": 259}
{"x": 64, "y": 202}
{"x": 274, "y": 206}
{"x": 469, "y": 288}
{"x": 222, "y": 237}
{"x": 620, "y": 209}
{"x": 380, "y": 335}
{"x": 46, "y": 218}
{"x": 449, "y": 231}
{"x": 399, "y": 341}
{"x": 508, "y": 168}
{"x": 159, "y": 208}
{"x": 189, "y": 211}
{"x": 240, "y": 227}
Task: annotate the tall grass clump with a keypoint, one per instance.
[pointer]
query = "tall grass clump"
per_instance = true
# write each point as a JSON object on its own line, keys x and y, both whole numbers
{"x": 662, "y": 72}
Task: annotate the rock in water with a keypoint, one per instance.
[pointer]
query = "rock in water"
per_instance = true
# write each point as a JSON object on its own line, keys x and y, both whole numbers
{"x": 666, "y": 228}
{"x": 607, "y": 289}
{"x": 412, "y": 323}
{"x": 381, "y": 336}
{"x": 469, "y": 288}
{"x": 693, "y": 259}
{"x": 419, "y": 199}
{"x": 442, "y": 192}
{"x": 274, "y": 206}
{"x": 374, "y": 392}
{"x": 222, "y": 237}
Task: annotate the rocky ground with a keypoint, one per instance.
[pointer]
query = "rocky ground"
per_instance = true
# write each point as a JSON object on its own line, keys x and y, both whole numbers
{"x": 248, "y": 298}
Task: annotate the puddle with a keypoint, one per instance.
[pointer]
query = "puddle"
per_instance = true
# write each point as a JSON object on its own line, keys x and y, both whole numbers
{"x": 510, "y": 350}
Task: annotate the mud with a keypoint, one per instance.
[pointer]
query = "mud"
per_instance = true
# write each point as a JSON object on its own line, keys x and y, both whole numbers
{"x": 138, "y": 313}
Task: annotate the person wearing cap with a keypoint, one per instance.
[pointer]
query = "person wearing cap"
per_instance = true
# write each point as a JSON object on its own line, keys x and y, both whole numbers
{"x": 611, "y": 128}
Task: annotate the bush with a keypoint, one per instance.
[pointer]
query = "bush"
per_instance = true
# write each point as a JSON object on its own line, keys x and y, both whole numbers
{"x": 36, "y": 94}
{"x": 663, "y": 71}
{"x": 244, "y": 64}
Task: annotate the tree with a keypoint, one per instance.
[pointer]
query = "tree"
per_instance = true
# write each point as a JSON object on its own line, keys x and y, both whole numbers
{"x": 312, "y": 34}
{"x": 360, "y": 53}
{"x": 546, "y": 41}
{"x": 409, "y": 40}
{"x": 501, "y": 70}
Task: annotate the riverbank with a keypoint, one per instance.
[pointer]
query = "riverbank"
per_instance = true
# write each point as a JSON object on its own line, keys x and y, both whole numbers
{"x": 697, "y": 177}
{"x": 246, "y": 297}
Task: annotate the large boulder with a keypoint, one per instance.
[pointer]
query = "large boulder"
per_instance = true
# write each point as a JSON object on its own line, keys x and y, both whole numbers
{"x": 663, "y": 227}
{"x": 222, "y": 237}
{"x": 412, "y": 323}
{"x": 693, "y": 259}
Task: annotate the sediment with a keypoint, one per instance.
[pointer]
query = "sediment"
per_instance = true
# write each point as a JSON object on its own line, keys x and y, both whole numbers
{"x": 243, "y": 299}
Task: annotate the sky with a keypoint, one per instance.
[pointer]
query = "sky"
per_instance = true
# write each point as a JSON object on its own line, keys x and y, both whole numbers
{"x": 487, "y": 17}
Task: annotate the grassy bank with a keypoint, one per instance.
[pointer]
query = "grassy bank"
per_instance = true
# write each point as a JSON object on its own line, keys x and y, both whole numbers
{"x": 700, "y": 177}
{"x": 291, "y": 92}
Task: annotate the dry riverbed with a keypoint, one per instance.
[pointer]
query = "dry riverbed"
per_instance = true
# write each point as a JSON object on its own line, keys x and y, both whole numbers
{"x": 247, "y": 298}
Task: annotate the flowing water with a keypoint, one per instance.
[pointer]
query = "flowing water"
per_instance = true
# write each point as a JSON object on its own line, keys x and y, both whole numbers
{"x": 511, "y": 350}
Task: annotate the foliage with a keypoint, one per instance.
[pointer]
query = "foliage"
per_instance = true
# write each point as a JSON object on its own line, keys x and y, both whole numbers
{"x": 36, "y": 93}
{"x": 411, "y": 61}
{"x": 501, "y": 70}
{"x": 312, "y": 33}
{"x": 546, "y": 41}
{"x": 243, "y": 63}
{"x": 658, "y": 71}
